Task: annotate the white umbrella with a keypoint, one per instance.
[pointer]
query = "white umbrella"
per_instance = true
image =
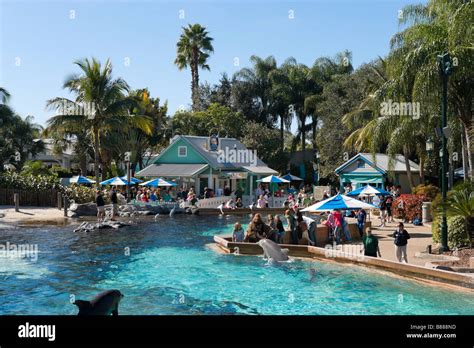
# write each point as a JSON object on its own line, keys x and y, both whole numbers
{"x": 339, "y": 202}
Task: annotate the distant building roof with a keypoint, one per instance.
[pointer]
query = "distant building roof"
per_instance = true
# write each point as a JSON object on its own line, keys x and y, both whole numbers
{"x": 382, "y": 162}
{"x": 172, "y": 170}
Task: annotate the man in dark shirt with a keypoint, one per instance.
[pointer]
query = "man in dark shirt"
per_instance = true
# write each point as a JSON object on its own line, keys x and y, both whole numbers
{"x": 401, "y": 240}
{"x": 99, "y": 201}
{"x": 371, "y": 244}
{"x": 114, "y": 200}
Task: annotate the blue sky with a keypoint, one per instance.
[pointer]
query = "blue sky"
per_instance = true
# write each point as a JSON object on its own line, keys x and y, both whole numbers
{"x": 39, "y": 40}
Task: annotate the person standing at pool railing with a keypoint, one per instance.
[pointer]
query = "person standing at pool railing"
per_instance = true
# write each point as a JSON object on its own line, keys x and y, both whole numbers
{"x": 291, "y": 220}
{"x": 401, "y": 240}
{"x": 361, "y": 217}
{"x": 280, "y": 229}
{"x": 311, "y": 223}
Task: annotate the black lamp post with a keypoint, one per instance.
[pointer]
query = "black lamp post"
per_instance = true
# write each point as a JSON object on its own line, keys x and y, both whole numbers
{"x": 445, "y": 69}
{"x": 127, "y": 160}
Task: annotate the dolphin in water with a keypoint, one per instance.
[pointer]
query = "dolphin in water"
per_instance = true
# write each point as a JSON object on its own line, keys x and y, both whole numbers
{"x": 173, "y": 211}
{"x": 105, "y": 303}
{"x": 220, "y": 207}
{"x": 272, "y": 251}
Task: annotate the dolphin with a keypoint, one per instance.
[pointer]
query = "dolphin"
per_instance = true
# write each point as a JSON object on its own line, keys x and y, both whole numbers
{"x": 272, "y": 250}
{"x": 105, "y": 303}
{"x": 220, "y": 207}
{"x": 173, "y": 211}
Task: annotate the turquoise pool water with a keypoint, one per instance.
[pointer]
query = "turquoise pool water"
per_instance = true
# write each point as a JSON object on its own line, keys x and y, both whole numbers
{"x": 169, "y": 270}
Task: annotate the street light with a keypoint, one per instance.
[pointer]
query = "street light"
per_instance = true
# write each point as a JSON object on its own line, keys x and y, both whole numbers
{"x": 445, "y": 69}
{"x": 128, "y": 155}
{"x": 317, "y": 156}
{"x": 429, "y": 145}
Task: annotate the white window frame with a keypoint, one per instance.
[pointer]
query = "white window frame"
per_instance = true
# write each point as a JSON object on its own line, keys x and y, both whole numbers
{"x": 185, "y": 150}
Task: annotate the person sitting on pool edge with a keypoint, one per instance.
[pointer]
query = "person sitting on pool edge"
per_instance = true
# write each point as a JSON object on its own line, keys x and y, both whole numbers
{"x": 370, "y": 244}
{"x": 257, "y": 230}
{"x": 238, "y": 234}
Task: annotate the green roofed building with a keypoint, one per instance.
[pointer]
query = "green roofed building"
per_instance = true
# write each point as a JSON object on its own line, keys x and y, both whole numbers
{"x": 212, "y": 162}
{"x": 377, "y": 170}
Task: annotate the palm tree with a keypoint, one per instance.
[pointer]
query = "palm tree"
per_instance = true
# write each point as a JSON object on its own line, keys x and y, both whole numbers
{"x": 100, "y": 106}
{"x": 257, "y": 80}
{"x": 4, "y": 95}
{"x": 461, "y": 203}
{"x": 432, "y": 29}
{"x": 193, "y": 49}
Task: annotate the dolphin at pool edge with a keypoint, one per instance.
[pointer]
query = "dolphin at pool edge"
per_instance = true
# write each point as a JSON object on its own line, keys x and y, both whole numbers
{"x": 272, "y": 251}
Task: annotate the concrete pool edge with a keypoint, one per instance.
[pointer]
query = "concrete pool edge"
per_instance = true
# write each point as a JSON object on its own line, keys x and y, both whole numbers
{"x": 401, "y": 269}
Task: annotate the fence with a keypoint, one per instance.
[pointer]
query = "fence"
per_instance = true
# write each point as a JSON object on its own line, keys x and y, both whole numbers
{"x": 30, "y": 198}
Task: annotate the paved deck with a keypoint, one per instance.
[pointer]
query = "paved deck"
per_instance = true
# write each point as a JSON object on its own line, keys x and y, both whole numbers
{"x": 421, "y": 237}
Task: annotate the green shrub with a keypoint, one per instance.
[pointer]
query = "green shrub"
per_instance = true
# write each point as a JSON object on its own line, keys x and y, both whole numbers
{"x": 428, "y": 191}
{"x": 457, "y": 236}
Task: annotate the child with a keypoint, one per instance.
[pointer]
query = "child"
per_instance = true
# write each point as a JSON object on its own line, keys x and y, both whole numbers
{"x": 238, "y": 234}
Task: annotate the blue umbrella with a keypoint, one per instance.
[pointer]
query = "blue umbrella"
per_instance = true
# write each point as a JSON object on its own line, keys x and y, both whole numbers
{"x": 368, "y": 190}
{"x": 273, "y": 179}
{"x": 116, "y": 182}
{"x": 291, "y": 177}
{"x": 132, "y": 179}
{"x": 339, "y": 202}
{"x": 81, "y": 180}
{"x": 158, "y": 182}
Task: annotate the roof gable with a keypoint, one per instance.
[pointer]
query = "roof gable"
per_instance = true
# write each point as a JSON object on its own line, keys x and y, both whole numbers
{"x": 199, "y": 147}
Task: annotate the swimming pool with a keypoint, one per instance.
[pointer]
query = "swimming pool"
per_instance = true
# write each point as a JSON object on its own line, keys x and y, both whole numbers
{"x": 164, "y": 267}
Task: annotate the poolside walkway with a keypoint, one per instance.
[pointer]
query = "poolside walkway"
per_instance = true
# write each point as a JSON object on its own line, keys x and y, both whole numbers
{"x": 30, "y": 215}
{"x": 420, "y": 239}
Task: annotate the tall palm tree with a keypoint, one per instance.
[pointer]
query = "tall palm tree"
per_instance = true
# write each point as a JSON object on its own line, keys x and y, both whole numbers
{"x": 100, "y": 106}
{"x": 193, "y": 49}
{"x": 258, "y": 81}
{"x": 431, "y": 29}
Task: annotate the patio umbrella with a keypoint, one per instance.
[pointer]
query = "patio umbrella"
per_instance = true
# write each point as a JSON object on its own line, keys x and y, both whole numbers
{"x": 273, "y": 179}
{"x": 158, "y": 182}
{"x": 80, "y": 180}
{"x": 368, "y": 191}
{"x": 132, "y": 179}
{"x": 116, "y": 182}
{"x": 291, "y": 177}
{"x": 339, "y": 202}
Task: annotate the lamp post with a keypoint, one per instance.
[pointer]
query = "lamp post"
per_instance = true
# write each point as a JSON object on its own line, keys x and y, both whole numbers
{"x": 317, "y": 156}
{"x": 445, "y": 69}
{"x": 127, "y": 160}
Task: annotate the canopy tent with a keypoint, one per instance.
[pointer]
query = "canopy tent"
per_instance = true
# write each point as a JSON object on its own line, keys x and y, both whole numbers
{"x": 368, "y": 190}
{"x": 339, "y": 202}
{"x": 117, "y": 182}
{"x": 158, "y": 182}
{"x": 273, "y": 179}
{"x": 291, "y": 177}
{"x": 81, "y": 180}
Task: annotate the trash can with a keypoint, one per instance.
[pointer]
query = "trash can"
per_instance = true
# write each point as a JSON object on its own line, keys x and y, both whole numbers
{"x": 426, "y": 212}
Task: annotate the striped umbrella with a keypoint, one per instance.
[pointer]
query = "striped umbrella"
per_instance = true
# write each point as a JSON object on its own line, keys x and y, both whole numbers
{"x": 132, "y": 179}
{"x": 368, "y": 190}
{"x": 116, "y": 182}
{"x": 339, "y": 202}
{"x": 291, "y": 177}
{"x": 273, "y": 179}
{"x": 158, "y": 182}
{"x": 81, "y": 180}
